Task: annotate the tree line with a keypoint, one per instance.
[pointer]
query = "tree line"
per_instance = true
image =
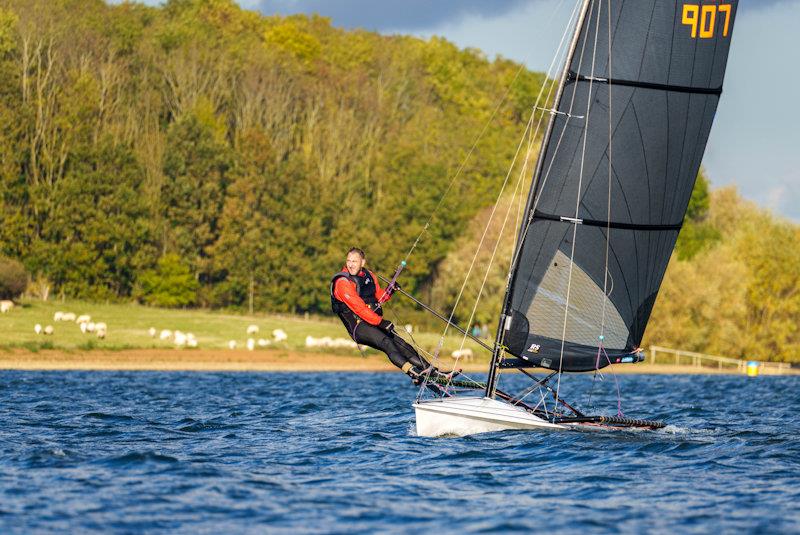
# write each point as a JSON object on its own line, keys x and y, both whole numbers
{"x": 198, "y": 154}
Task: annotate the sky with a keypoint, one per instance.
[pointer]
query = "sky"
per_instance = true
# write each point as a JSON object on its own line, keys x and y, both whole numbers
{"x": 755, "y": 141}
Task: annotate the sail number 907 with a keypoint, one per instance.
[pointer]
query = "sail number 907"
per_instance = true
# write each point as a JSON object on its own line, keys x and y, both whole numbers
{"x": 703, "y": 19}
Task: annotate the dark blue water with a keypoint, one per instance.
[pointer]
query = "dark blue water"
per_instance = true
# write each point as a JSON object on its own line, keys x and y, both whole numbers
{"x": 132, "y": 452}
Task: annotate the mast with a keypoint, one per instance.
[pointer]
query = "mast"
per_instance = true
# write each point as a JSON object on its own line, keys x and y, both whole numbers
{"x": 504, "y": 323}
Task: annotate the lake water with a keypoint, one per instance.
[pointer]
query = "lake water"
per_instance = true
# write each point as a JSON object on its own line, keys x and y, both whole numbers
{"x": 335, "y": 452}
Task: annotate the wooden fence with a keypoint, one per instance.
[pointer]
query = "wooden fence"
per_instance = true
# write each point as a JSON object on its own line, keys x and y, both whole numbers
{"x": 677, "y": 357}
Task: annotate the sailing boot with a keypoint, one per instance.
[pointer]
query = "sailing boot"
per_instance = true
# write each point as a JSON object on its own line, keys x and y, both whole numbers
{"x": 417, "y": 376}
{"x": 434, "y": 374}
{"x": 440, "y": 376}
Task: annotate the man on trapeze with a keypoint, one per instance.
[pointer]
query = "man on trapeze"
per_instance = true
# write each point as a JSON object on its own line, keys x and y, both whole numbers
{"x": 356, "y": 298}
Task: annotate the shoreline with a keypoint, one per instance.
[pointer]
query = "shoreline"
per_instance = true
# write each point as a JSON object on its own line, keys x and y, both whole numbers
{"x": 207, "y": 360}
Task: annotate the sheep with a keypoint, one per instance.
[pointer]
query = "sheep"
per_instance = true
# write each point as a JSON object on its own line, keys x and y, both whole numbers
{"x": 90, "y": 327}
{"x": 232, "y": 344}
{"x": 327, "y": 341}
{"x": 48, "y": 329}
{"x": 279, "y": 335}
{"x": 83, "y": 318}
{"x": 58, "y": 315}
{"x": 345, "y": 342}
{"x": 101, "y": 329}
{"x": 152, "y": 332}
{"x": 166, "y": 334}
{"x": 68, "y": 316}
{"x": 37, "y": 328}
{"x": 408, "y": 328}
{"x": 180, "y": 339}
{"x": 262, "y": 342}
{"x": 465, "y": 353}
{"x": 251, "y": 344}
{"x": 83, "y": 327}
{"x": 252, "y": 329}
{"x": 5, "y": 306}
{"x": 191, "y": 342}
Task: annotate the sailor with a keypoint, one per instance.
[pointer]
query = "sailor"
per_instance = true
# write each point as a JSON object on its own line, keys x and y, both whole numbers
{"x": 356, "y": 297}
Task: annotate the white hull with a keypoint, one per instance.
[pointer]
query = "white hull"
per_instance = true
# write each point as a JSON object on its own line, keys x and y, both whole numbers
{"x": 468, "y": 416}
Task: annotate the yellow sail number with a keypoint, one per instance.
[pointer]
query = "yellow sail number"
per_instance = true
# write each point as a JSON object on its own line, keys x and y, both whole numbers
{"x": 703, "y": 19}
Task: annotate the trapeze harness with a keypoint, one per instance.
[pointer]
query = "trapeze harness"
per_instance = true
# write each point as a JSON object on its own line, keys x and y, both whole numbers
{"x": 365, "y": 287}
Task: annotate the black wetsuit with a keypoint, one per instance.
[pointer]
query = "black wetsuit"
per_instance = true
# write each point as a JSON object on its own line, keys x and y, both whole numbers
{"x": 397, "y": 349}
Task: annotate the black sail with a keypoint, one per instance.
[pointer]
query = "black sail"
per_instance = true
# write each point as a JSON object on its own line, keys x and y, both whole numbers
{"x": 593, "y": 251}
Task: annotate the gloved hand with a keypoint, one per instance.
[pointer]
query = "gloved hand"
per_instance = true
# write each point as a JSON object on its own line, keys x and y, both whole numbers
{"x": 386, "y": 325}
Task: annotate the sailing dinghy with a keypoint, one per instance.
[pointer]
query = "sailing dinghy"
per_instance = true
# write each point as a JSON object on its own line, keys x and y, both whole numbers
{"x": 632, "y": 113}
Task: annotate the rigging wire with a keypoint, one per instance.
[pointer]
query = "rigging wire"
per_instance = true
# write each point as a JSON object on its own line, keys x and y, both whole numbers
{"x": 483, "y": 131}
{"x": 580, "y": 185}
{"x": 560, "y": 51}
{"x": 522, "y": 174}
{"x": 463, "y": 164}
{"x": 606, "y": 274}
{"x": 539, "y": 183}
{"x": 483, "y": 237}
{"x": 440, "y": 202}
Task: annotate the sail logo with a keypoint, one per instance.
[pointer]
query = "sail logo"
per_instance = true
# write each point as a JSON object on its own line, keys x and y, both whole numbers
{"x": 534, "y": 348}
{"x": 702, "y": 19}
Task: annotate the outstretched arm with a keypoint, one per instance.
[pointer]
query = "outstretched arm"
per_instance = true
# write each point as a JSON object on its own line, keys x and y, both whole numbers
{"x": 380, "y": 294}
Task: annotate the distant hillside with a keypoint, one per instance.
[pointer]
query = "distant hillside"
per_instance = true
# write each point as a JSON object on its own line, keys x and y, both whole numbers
{"x": 143, "y": 144}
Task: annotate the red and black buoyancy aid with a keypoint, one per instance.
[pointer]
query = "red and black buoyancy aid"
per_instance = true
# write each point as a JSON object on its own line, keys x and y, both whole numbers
{"x": 365, "y": 287}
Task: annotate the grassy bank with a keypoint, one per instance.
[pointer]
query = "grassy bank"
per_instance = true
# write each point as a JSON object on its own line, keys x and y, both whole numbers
{"x": 128, "y": 326}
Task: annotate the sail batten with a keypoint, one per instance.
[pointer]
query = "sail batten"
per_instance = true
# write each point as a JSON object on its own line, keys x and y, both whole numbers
{"x": 584, "y": 282}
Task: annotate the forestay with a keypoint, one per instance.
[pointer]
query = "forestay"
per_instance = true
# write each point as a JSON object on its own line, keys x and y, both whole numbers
{"x": 614, "y": 178}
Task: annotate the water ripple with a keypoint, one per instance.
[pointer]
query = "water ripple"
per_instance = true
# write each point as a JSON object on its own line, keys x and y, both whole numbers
{"x": 335, "y": 452}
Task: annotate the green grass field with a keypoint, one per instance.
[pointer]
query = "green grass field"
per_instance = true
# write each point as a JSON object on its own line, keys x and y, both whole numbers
{"x": 128, "y": 326}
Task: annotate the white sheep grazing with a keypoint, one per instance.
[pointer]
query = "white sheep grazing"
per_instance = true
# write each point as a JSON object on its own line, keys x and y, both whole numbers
{"x": 152, "y": 332}
{"x": 279, "y": 335}
{"x": 232, "y": 344}
{"x": 180, "y": 339}
{"x": 262, "y": 342}
{"x": 5, "y": 306}
{"x": 311, "y": 341}
{"x": 251, "y": 344}
{"x": 90, "y": 327}
{"x": 48, "y": 329}
{"x": 408, "y": 328}
{"x": 83, "y": 318}
{"x": 37, "y": 328}
{"x": 58, "y": 315}
{"x": 465, "y": 353}
{"x": 166, "y": 334}
{"x": 344, "y": 342}
{"x": 252, "y": 329}
{"x": 68, "y": 316}
{"x": 101, "y": 333}
{"x": 191, "y": 342}
{"x": 83, "y": 327}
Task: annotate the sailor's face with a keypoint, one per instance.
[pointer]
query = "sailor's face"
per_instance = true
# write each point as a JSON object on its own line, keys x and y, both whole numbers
{"x": 354, "y": 263}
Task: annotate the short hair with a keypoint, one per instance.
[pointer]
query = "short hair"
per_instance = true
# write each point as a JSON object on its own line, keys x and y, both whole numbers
{"x": 356, "y": 250}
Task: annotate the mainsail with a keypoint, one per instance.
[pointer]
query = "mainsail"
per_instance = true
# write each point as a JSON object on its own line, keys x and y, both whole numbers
{"x": 619, "y": 160}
